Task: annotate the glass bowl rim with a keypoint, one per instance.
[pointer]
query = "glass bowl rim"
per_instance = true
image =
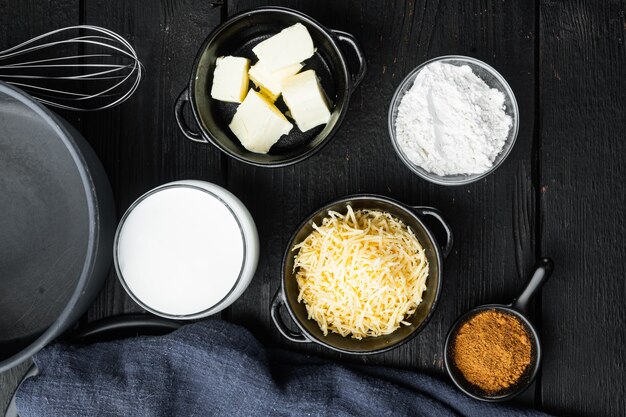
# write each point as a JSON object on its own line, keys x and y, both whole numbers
{"x": 439, "y": 179}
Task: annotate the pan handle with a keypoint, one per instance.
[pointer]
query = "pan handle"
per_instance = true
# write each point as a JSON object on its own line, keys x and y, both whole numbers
{"x": 179, "y": 106}
{"x": 277, "y": 303}
{"x": 11, "y": 410}
{"x": 433, "y": 212}
{"x": 543, "y": 270}
{"x": 351, "y": 41}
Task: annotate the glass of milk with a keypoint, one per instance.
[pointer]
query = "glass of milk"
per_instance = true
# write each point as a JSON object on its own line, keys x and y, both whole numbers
{"x": 186, "y": 249}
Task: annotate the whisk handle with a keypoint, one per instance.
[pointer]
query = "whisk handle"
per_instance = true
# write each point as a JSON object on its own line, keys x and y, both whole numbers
{"x": 179, "y": 107}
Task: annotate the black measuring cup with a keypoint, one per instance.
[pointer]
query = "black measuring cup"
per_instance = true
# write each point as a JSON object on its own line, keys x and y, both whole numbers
{"x": 518, "y": 309}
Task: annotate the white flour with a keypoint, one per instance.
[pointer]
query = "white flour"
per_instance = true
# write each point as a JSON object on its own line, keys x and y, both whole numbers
{"x": 450, "y": 122}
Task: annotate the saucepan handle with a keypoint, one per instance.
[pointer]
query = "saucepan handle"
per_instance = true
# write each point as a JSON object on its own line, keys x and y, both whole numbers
{"x": 351, "y": 41}
{"x": 542, "y": 272}
{"x": 277, "y": 303}
{"x": 436, "y": 214}
{"x": 11, "y": 410}
{"x": 179, "y": 107}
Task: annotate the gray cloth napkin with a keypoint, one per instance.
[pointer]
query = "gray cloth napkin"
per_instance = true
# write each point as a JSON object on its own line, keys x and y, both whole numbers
{"x": 215, "y": 368}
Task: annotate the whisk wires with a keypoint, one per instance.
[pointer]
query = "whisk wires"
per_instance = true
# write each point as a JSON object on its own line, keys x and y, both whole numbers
{"x": 79, "y": 68}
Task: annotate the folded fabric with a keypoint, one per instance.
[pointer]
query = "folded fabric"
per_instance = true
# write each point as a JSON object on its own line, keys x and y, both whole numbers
{"x": 215, "y": 368}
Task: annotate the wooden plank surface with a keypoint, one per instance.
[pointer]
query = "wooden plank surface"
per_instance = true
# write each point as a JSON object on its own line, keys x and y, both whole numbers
{"x": 583, "y": 78}
{"x": 139, "y": 142}
{"x": 494, "y": 230}
{"x": 564, "y": 174}
{"x": 20, "y": 21}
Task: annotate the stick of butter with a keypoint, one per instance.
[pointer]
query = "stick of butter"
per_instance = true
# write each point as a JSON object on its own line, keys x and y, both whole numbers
{"x": 271, "y": 82}
{"x": 258, "y": 124}
{"x": 306, "y": 100}
{"x": 291, "y": 46}
{"x": 230, "y": 79}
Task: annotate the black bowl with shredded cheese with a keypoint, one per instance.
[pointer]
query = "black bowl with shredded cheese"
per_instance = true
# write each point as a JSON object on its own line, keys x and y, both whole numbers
{"x": 353, "y": 336}
{"x": 361, "y": 273}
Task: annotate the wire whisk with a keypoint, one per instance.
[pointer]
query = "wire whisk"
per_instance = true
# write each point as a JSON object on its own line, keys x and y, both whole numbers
{"x": 81, "y": 68}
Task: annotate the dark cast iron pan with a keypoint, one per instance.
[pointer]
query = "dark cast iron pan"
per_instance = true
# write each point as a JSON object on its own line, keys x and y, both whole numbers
{"x": 105, "y": 330}
{"x": 57, "y": 221}
{"x": 519, "y": 309}
{"x": 237, "y": 37}
{"x": 308, "y": 329}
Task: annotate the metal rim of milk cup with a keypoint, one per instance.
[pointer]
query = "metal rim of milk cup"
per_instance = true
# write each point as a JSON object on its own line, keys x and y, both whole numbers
{"x": 249, "y": 237}
{"x": 518, "y": 309}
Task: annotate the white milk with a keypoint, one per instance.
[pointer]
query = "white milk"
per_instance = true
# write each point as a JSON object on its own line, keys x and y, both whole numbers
{"x": 180, "y": 251}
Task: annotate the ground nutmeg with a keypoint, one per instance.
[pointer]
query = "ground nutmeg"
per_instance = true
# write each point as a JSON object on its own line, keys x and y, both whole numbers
{"x": 492, "y": 350}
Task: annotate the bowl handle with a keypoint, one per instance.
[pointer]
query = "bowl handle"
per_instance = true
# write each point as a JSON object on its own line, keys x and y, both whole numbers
{"x": 287, "y": 333}
{"x": 179, "y": 106}
{"x": 543, "y": 270}
{"x": 433, "y": 212}
{"x": 351, "y": 41}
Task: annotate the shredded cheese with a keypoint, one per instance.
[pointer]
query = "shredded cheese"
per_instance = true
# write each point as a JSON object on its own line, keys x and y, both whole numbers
{"x": 360, "y": 274}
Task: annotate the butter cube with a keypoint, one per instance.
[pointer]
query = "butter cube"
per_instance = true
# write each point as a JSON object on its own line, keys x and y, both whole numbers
{"x": 258, "y": 124}
{"x": 291, "y": 46}
{"x": 271, "y": 82}
{"x": 230, "y": 79}
{"x": 306, "y": 100}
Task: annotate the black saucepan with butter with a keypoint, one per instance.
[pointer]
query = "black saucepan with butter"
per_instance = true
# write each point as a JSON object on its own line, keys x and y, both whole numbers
{"x": 237, "y": 37}
{"x": 308, "y": 329}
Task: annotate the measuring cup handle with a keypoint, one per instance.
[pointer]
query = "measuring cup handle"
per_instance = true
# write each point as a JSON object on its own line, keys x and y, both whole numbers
{"x": 179, "y": 106}
{"x": 351, "y": 41}
{"x": 287, "y": 333}
{"x": 433, "y": 212}
{"x": 543, "y": 270}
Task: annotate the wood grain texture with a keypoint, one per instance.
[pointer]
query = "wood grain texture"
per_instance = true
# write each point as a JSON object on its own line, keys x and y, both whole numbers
{"x": 20, "y": 21}
{"x": 23, "y": 20}
{"x": 491, "y": 228}
{"x": 564, "y": 175}
{"x": 139, "y": 142}
{"x": 583, "y": 79}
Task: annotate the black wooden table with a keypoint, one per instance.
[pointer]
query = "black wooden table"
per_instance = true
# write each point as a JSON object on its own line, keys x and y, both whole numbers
{"x": 560, "y": 193}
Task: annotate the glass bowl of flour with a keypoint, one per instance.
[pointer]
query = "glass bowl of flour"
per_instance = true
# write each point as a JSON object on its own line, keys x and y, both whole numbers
{"x": 453, "y": 120}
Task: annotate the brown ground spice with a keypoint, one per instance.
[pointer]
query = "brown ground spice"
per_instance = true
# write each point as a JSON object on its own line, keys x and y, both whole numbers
{"x": 492, "y": 350}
